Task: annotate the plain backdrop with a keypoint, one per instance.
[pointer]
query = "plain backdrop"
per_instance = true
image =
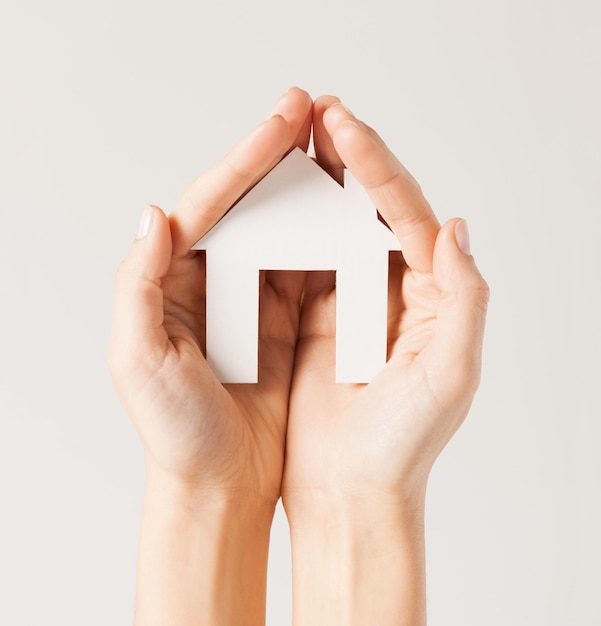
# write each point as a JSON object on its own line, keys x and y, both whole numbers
{"x": 493, "y": 106}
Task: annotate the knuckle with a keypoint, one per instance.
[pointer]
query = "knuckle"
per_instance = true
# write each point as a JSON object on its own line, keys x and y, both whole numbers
{"x": 195, "y": 205}
{"x": 483, "y": 295}
{"x": 237, "y": 170}
{"x": 130, "y": 271}
{"x": 124, "y": 269}
{"x": 480, "y": 292}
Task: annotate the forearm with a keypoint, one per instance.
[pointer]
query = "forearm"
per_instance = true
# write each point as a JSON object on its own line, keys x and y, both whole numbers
{"x": 202, "y": 559}
{"x": 357, "y": 564}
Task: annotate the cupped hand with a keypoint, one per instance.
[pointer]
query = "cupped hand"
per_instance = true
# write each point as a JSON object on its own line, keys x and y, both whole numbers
{"x": 224, "y": 439}
{"x": 381, "y": 439}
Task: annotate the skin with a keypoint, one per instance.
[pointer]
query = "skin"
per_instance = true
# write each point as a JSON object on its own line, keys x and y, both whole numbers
{"x": 214, "y": 454}
{"x": 358, "y": 456}
{"x": 351, "y": 462}
{"x": 223, "y": 439}
{"x": 385, "y": 436}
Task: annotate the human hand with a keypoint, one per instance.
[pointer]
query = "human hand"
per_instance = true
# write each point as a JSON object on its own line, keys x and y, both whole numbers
{"x": 358, "y": 456}
{"x": 214, "y": 453}
{"x": 227, "y": 440}
{"x": 383, "y": 438}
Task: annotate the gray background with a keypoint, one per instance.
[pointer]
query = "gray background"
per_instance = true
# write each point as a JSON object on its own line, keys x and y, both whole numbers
{"x": 494, "y": 106}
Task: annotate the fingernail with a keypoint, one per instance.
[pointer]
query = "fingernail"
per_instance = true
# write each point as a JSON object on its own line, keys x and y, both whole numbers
{"x": 462, "y": 236}
{"x": 339, "y": 104}
{"x": 350, "y": 123}
{"x": 276, "y": 107}
{"x": 145, "y": 220}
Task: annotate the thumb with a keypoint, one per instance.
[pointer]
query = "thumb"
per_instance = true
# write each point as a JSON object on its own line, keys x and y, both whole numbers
{"x": 138, "y": 336}
{"x": 456, "y": 346}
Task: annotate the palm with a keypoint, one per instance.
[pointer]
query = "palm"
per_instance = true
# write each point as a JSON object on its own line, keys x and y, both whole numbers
{"x": 360, "y": 436}
{"x": 218, "y": 437}
{"x": 227, "y": 435}
{"x": 384, "y": 435}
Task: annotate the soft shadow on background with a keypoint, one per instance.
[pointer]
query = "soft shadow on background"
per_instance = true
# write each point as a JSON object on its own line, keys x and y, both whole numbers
{"x": 105, "y": 107}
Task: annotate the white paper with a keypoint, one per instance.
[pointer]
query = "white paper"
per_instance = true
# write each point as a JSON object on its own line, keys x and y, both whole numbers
{"x": 298, "y": 218}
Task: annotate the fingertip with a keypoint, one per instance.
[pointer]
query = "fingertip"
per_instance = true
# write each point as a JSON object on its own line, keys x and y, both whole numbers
{"x": 294, "y": 113}
{"x": 349, "y": 135}
{"x": 455, "y": 233}
{"x": 138, "y": 308}
{"x": 325, "y": 152}
{"x": 152, "y": 218}
{"x": 454, "y": 264}
{"x": 293, "y": 105}
{"x": 291, "y": 117}
{"x": 151, "y": 252}
{"x": 340, "y": 106}
{"x": 145, "y": 222}
{"x": 298, "y": 92}
{"x": 334, "y": 115}
{"x": 446, "y": 241}
{"x": 462, "y": 237}
{"x": 322, "y": 103}
{"x": 303, "y": 137}
{"x": 461, "y": 313}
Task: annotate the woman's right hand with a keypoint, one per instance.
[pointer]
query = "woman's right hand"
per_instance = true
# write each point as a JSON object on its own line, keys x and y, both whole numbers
{"x": 226, "y": 440}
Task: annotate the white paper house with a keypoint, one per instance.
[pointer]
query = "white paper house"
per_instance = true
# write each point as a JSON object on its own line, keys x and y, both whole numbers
{"x": 298, "y": 218}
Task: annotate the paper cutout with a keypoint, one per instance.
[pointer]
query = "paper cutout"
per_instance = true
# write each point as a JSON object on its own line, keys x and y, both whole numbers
{"x": 298, "y": 218}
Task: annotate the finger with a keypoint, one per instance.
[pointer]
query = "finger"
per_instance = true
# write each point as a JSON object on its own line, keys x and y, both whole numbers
{"x": 316, "y": 351}
{"x": 209, "y": 197}
{"x": 138, "y": 335}
{"x": 279, "y": 298}
{"x": 396, "y": 305}
{"x": 456, "y": 346}
{"x": 279, "y": 313}
{"x": 318, "y": 283}
{"x": 325, "y": 152}
{"x": 287, "y": 284}
{"x": 304, "y": 135}
{"x": 394, "y": 191}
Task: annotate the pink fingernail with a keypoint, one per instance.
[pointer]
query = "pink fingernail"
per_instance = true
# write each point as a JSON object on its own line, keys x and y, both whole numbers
{"x": 339, "y": 104}
{"x": 145, "y": 220}
{"x": 462, "y": 236}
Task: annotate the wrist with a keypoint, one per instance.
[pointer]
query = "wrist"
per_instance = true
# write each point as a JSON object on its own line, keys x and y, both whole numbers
{"x": 359, "y": 561}
{"x": 305, "y": 505}
{"x": 178, "y": 494}
{"x": 376, "y": 519}
{"x": 202, "y": 556}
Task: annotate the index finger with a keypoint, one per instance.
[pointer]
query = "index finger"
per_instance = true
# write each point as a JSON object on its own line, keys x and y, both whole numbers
{"x": 209, "y": 197}
{"x": 394, "y": 191}
{"x": 325, "y": 152}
